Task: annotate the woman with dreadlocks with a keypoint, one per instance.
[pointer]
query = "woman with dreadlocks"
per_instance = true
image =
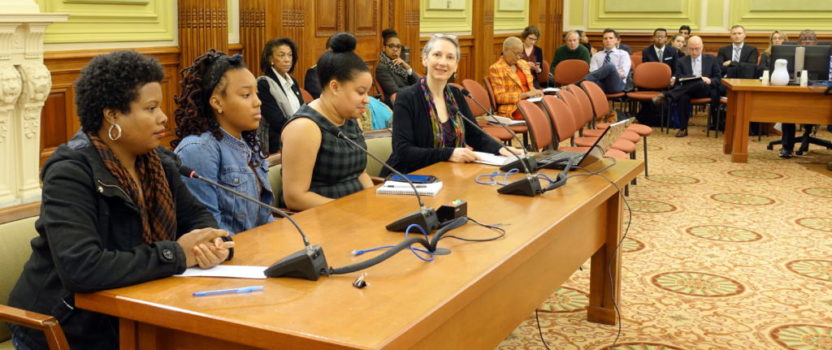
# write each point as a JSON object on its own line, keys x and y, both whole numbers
{"x": 216, "y": 134}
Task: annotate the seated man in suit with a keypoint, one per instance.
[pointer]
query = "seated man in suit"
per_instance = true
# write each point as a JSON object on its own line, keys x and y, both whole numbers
{"x": 659, "y": 52}
{"x": 696, "y": 64}
{"x": 512, "y": 79}
{"x": 739, "y": 59}
{"x": 572, "y": 50}
{"x": 610, "y": 67}
{"x": 806, "y": 37}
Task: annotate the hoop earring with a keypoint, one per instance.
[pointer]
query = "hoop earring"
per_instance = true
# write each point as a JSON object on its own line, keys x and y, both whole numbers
{"x": 219, "y": 111}
{"x": 110, "y": 132}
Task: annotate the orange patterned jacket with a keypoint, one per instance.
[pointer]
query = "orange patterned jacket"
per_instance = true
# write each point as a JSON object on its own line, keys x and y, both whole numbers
{"x": 506, "y": 85}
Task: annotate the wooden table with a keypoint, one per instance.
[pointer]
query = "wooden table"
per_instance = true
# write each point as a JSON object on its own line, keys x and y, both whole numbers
{"x": 751, "y": 101}
{"x": 472, "y": 298}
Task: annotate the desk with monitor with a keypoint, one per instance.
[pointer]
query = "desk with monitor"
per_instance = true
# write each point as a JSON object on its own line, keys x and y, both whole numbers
{"x": 472, "y": 298}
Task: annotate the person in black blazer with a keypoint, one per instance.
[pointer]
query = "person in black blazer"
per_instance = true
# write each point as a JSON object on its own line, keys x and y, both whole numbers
{"x": 737, "y": 58}
{"x": 427, "y": 117}
{"x": 277, "y": 90}
{"x": 668, "y": 54}
{"x": 683, "y": 92}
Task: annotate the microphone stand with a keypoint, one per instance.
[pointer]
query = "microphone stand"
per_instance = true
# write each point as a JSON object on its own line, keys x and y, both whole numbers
{"x": 527, "y": 186}
{"x": 425, "y": 217}
{"x": 308, "y": 263}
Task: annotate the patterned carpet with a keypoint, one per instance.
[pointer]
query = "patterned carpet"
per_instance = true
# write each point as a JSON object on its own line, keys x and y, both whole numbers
{"x": 720, "y": 255}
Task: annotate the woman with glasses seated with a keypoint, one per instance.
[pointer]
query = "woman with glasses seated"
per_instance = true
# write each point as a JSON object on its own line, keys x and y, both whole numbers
{"x": 392, "y": 72}
{"x": 532, "y": 53}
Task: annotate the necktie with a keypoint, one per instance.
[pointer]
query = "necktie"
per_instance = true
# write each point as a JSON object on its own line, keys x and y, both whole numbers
{"x": 661, "y": 54}
{"x": 736, "y": 57}
{"x": 607, "y": 57}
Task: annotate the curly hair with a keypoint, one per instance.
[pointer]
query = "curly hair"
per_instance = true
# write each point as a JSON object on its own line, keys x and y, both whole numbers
{"x": 265, "y": 63}
{"x": 194, "y": 114}
{"x": 112, "y": 81}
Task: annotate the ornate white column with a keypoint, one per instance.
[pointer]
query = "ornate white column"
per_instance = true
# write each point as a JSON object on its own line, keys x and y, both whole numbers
{"x": 25, "y": 83}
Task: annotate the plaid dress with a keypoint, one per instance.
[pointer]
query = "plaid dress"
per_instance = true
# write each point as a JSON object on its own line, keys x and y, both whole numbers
{"x": 338, "y": 164}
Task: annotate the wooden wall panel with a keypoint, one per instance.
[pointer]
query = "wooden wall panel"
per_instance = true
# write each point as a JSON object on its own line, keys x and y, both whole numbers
{"x": 203, "y": 25}
{"x": 60, "y": 120}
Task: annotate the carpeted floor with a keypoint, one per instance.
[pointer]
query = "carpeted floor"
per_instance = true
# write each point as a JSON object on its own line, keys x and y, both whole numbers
{"x": 720, "y": 255}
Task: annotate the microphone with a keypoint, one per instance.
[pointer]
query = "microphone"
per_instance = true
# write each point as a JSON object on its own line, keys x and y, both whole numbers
{"x": 425, "y": 217}
{"x": 527, "y": 186}
{"x": 308, "y": 263}
{"x": 526, "y": 163}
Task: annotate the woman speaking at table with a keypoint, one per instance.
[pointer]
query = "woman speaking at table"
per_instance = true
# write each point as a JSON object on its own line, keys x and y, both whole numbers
{"x": 427, "y": 117}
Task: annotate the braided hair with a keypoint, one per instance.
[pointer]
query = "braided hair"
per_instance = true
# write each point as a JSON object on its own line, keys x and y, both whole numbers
{"x": 194, "y": 114}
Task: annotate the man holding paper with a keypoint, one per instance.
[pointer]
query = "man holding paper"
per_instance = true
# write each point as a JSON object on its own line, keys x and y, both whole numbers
{"x": 697, "y": 76}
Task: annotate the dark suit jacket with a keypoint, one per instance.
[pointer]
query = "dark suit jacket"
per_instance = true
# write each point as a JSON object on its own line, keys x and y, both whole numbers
{"x": 748, "y": 57}
{"x": 710, "y": 68}
{"x": 271, "y": 111}
{"x": 669, "y": 56}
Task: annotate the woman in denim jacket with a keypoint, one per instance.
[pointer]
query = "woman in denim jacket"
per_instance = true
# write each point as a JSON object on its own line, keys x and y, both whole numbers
{"x": 217, "y": 118}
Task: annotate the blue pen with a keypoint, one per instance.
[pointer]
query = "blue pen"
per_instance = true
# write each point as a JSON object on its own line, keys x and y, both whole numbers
{"x": 228, "y": 291}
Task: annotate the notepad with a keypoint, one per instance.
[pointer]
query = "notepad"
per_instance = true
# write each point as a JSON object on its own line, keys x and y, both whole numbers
{"x": 504, "y": 120}
{"x": 397, "y": 187}
{"x": 491, "y": 159}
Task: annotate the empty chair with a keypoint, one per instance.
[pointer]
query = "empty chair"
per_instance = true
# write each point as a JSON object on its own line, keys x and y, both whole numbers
{"x": 570, "y": 71}
{"x": 540, "y": 128}
{"x": 478, "y": 92}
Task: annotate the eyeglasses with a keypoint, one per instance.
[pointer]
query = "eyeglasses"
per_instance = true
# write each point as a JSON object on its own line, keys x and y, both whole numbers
{"x": 394, "y": 46}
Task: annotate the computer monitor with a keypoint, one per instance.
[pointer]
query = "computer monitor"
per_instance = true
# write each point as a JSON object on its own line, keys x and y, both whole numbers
{"x": 816, "y": 59}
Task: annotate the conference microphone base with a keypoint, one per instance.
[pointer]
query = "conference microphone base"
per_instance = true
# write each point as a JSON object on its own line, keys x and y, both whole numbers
{"x": 531, "y": 164}
{"x": 425, "y": 217}
{"x": 309, "y": 264}
{"x": 528, "y": 186}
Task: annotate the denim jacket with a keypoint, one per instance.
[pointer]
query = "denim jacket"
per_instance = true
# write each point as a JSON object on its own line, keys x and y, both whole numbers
{"x": 226, "y": 162}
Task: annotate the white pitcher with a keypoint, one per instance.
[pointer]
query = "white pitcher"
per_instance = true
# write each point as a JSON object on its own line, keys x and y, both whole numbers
{"x": 780, "y": 76}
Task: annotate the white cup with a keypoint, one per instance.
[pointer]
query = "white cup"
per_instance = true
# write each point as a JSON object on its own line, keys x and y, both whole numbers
{"x": 764, "y": 78}
{"x": 804, "y": 78}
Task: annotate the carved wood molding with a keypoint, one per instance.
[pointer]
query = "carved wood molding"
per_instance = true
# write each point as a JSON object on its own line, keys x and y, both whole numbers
{"x": 293, "y": 18}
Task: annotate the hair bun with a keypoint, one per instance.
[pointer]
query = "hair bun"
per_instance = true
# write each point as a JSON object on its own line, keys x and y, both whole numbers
{"x": 342, "y": 42}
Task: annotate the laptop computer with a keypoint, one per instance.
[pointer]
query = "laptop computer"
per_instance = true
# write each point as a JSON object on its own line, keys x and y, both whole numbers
{"x": 558, "y": 159}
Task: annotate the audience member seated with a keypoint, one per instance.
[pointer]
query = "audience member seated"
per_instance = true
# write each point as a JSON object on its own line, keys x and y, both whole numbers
{"x": 428, "y": 126}
{"x": 310, "y": 79}
{"x": 392, "y": 72}
{"x": 512, "y": 79}
{"x": 114, "y": 210}
{"x": 585, "y": 42}
{"x": 806, "y": 37}
{"x": 532, "y": 54}
{"x": 610, "y": 68}
{"x": 318, "y": 165}
{"x": 659, "y": 52}
{"x": 738, "y": 60}
{"x": 679, "y": 43}
{"x": 685, "y": 30}
{"x": 572, "y": 50}
{"x": 695, "y": 65}
{"x": 278, "y": 90}
{"x": 777, "y": 38}
{"x": 217, "y": 116}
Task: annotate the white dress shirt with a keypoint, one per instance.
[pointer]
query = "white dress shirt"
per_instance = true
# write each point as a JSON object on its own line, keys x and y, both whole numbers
{"x": 619, "y": 58}
{"x": 696, "y": 66}
{"x": 286, "y": 84}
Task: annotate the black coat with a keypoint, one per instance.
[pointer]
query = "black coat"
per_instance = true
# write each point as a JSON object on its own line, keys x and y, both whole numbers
{"x": 669, "y": 56}
{"x": 710, "y": 68}
{"x": 391, "y": 82}
{"x": 90, "y": 239}
{"x": 747, "y": 63}
{"x": 271, "y": 112}
{"x": 413, "y": 135}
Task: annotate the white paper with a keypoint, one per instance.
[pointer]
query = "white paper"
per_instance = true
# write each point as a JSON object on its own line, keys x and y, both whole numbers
{"x": 232, "y": 271}
{"x": 491, "y": 159}
{"x": 504, "y": 120}
{"x": 550, "y": 90}
{"x": 535, "y": 99}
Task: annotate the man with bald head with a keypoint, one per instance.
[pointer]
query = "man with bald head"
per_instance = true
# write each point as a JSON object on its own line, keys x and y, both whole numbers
{"x": 512, "y": 79}
{"x": 572, "y": 50}
{"x": 695, "y": 64}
